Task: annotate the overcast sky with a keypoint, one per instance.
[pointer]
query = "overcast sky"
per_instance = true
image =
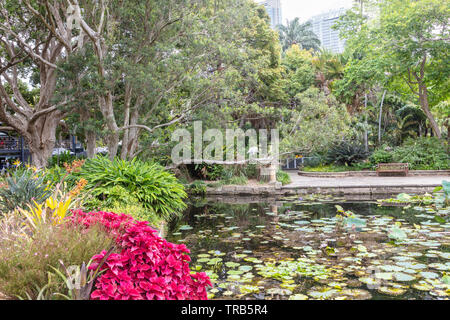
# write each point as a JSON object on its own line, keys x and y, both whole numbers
{"x": 305, "y": 9}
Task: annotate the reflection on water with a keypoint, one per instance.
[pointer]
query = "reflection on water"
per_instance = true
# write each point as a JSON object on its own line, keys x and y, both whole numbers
{"x": 299, "y": 249}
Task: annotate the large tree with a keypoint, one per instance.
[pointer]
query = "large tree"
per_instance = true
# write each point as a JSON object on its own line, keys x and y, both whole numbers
{"x": 35, "y": 39}
{"x": 409, "y": 40}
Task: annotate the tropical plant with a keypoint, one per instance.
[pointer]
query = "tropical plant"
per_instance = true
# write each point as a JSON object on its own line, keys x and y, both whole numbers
{"x": 155, "y": 188}
{"x": 298, "y": 33}
{"x": 347, "y": 152}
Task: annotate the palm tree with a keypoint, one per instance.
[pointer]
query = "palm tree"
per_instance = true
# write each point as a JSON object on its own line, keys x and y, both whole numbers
{"x": 330, "y": 67}
{"x": 298, "y": 33}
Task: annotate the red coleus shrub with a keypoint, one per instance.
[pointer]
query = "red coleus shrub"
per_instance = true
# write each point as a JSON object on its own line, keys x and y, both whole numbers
{"x": 147, "y": 267}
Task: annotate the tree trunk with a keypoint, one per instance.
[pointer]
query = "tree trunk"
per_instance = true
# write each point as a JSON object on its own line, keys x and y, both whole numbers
{"x": 423, "y": 98}
{"x": 91, "y": 138}
{"x": 41, "y": 138}
{"x": 379, "y": 119}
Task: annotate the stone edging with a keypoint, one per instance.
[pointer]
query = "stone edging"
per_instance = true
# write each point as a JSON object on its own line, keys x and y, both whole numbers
{"x": 369, "y": 173}
{"x": 278, "y": 190}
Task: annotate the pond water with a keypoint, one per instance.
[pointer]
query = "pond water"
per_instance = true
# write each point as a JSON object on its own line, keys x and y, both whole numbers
{"x": 299, "y": 249}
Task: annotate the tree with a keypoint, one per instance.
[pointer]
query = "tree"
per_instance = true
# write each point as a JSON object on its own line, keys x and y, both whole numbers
{"x": 410, "y": 41}
{"x": 315, "y": 124}
{"x": 299, "y": 71}
{"x": 298, "y": 33}
{"x": 34, "y": 39}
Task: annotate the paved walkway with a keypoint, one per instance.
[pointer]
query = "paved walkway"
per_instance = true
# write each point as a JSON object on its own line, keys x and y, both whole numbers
{"x": 302, "y": 181}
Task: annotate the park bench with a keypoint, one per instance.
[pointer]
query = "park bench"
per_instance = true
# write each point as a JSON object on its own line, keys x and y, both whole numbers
{"x": 392, "y": 168}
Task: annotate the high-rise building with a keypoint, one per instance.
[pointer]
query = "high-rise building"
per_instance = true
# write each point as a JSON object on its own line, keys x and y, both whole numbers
{"x": 329, "y": 37}
{"x": 273, "y": 8}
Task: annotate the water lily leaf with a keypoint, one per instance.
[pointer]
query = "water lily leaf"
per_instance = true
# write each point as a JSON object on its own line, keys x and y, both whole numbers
{"x": 391, "y": 291}
{"x": 429, "y": 275}
{"x": 396, "y": 233}
{"x": 400, "y": 276}
{"x": 298, "y": 296}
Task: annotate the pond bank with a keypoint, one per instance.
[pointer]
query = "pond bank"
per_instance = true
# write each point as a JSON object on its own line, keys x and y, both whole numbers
{"x": 357, "y": 185}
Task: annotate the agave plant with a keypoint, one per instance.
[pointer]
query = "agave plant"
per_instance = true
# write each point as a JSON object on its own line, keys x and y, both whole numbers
{"x": 23, "y": 188}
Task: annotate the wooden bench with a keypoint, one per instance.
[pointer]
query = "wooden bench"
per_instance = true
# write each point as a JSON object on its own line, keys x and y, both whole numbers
{"x": 392, "y": 168}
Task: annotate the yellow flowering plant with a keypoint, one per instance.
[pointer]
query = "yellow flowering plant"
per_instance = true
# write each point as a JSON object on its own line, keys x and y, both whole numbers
{"x": 55, "y": 208}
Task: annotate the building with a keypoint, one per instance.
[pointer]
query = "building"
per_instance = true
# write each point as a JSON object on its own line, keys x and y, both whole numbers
{"x": 273, "y": 8}
{"x": 329, "y": 38}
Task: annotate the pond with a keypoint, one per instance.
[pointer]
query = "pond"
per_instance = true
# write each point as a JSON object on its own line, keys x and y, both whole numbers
{"x": 301, "y": 248}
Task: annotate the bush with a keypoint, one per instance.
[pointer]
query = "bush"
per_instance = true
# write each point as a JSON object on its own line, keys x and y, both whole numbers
{"x": 381, "y": 156}
{"x": 147, "y": 266}
{"x": 347, "y": 153}
{"x": 26, "y": 260}
{"x": 197, "y": 187}
{"x": 65, "y": 157}
{"x": 22, "y": 187}
{"x": 423, "y": 154}
{"x": 208, "y": 171}
{"x": 283, "y": 177}
{"x": 153, "y": 187}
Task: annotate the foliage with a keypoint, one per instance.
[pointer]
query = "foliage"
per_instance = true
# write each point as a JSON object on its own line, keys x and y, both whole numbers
{"x": 423, "y": 154}
{"x": 147, "y": 267}
{"x": 209, "y": 171}
{"x": 156, "y": 189}
{"x": 347, "y": 152}
{"x": 315, "y": 125}
{"x": 60, "y": 159}
{"x": 402, "y": 47}
{"x": 381, "y": 155}
{"x": 283, "y": 177}
{"x": 22, "y": 188}
{"x": 299, "y": 70}
{"x": 26, "y": 259}
{"x": 197, "y": 187}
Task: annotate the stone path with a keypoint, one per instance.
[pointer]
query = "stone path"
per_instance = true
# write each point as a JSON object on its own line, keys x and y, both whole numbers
{"x": 303, "y": 181}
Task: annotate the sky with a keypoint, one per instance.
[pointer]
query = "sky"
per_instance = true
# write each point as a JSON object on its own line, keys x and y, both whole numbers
{"x": 305, "y": 9}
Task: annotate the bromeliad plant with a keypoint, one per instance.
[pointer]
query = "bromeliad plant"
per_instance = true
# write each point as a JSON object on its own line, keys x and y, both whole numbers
{"x": 55, "y": 208}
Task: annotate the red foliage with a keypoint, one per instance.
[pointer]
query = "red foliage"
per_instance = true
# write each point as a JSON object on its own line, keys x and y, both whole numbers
{"x": 147, "y": 267}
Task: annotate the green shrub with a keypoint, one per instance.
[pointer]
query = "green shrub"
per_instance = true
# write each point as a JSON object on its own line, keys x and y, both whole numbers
{"x": 197, "y": 187}
{"x": 423, "y": 154}
{"x": 152, "y": 186}
{"x": 347, "y": 153}
{"x": 136, "y": 210}
{"x": 283, "y": 177}
{"x": 381, "y": 156}
{"x": 208, "y": 171}
{"x": 59, "y": 160}
{"x": 26, "y": 261}
{"x": 22, "y": 187}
